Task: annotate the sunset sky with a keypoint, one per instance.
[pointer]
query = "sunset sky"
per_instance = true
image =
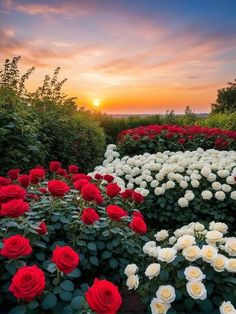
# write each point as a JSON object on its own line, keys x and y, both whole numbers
{"x": 126, "y": 56}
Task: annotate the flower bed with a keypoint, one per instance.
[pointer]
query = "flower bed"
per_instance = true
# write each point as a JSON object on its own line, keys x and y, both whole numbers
{"x": 153, "y": 138}
{"x": 178, "y": 187}
{"x": 60, "y": 233}
{"x": 192, "y": 271}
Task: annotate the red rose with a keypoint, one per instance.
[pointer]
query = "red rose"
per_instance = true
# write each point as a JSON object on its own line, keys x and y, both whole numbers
{"x": 13, "y": 174}
{"x": 137, "y": 197}
{"x": 58, "y": 188}
{"x": 73, "y": 169}
{"x": 4, "y": 181}
{"x": 61, "y": 172}
{"x": 32, "y": 196}
{"x": 16, "y": 246}
{"x": 89, "y": 216}
{"x": 138, "y": 214}
{"x": 42, "y": 229}
{"x": 28, "y": 283}
{"x": 108, "y": 177}
{"x": 98, "y": 176}
{"x": 65, "y": 258}
{"x": 115, "y": 212}
{"x": 127, "y": 193}
{"x": 54, "y": 166}
{"x": 43, "y": 190}
{"x": 24, "y": 180}
{"x": 90, "y": 192}
{"x": 14, "y": 208}
{"x": 80, "y": 183}
{"x": 181, "y": 140}
{"x": 79, "y": 176}
{"x": 103, "y": 297}
{"x": 112, "y": 189}
{"x": 138, "y": 225}
{"x": 12, "y": 191}
{"x": 36, "y": 175}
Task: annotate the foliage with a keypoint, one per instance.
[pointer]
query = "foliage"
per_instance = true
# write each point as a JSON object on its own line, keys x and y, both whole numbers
{"x": 226, "y": 99}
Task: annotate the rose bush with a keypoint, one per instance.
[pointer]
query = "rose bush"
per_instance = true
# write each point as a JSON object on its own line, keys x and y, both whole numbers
{"x": 192, "y": 271}
{"x": 179, "y": 187}
{"x": 153, "y": 138}
{"x": 60, "y": 230}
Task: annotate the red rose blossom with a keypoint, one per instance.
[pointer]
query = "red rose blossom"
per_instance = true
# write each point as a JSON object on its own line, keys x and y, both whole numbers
{"x": 54, "y": 166}
{"x": 79, "y": 176}
{"x": 58, "y": 188}
{"x": 65, "y": 258}
{"x": 90, "y": 192}
{"x": 80, "y": 183}
{"x": 113, "y": 189}
{"x": 103, "y": 297}
{"x": 33, "y": 196}
{"x": 181, "y": 140}
{"x": 14, "y": 208}
{"x": 115, "y": 212}
{"x": 98, "y": 176}
{"x": 36, "y": 175}
{"x": 42, "y": 229}
{"x": 137, "y": 197}
{"x": 12, "y": 191}
{"x": 89, "y": 216}
{"x": 43, "y": 190}
{"x": 138, "y": 214}
{"x": 4, "y": 181}
{"x": 28, "y": 283}
{"x": 138, "y": 225}
{"x": 13, "y": 174}
{"x": 62, "y": 172}
{"x": 24, "y": 180}
{"x": 108, "y": 177}
{"x": 73, "y": 169}
{"x": 127, "y": 193}
{"x": 16, "y": 246}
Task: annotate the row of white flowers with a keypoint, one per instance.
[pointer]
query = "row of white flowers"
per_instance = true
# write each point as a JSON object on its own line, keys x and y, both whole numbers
{"x": 193, "y": 242}
{"x": 164, "y": 171}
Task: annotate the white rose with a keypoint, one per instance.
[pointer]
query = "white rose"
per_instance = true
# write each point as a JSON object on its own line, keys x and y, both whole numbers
{"x": 220, "y": 195}
{"x": 219, "y": 263}
{"x": 154, "y": 183}
{"x": 191, "y": 253}
{"x": 153, "y": 270}
{"x": 227, "y": 308}
{"x": 132, "y": 282}
{"x": 166, "y": 293}
{"x": 172, "y": 240}
{"x": 226, "y": 188}
{"x": 131, "y": 269}
{"x": 159, "y": 191}
{"x": 221, "y": 226}
{"x": 199, "y": 227}
{"x": 206, "y": 195}
{"x": 195, "y": 183}
{"x": 193, "y": 273}
{"x": 158, "y": 306}
{"x": 208, "y": 253}
{"x": 230, "y": 180}
{"x": 231, "y": 265}
{"x": 170, "y": 184}
{"x": 167, "y": 255}
{"x": 214, "y": 236}
{"x": 161, "y": 235}
{"x": 189, "y": 196}
{"x": 216, "y": 186}
{"x": 230, "y": 246}
{"x": 183, "y": 184}
{"x": 185, "y": 241}
{"x": 196, "y": 290}
{"x": 233, "y": 195}
{"x": 183, "y": 202}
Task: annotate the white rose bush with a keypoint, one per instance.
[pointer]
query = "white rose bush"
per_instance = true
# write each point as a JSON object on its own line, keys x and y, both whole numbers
{"x": 195, "y": 273}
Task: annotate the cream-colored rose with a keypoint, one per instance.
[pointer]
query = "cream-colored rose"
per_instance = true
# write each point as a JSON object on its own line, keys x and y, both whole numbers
{"x": 199, "y": 227}
{"x": 158, "y": 306}
{"x": 166, "y": 293}
{"x": 231, "y": 265}
{"x": 161, "y": 235}
{"x": 185, "y": 241}
{"x": 191, "y": 253}
{"x": 219, "y": 263}
{"x": 227, "y": 308}
{"x": 153, "y": 270}
{"x": 167, "y": 255}
{"x": 132, "y": 282}
{"x": 131, "y": 269}
{"x": 230, "y": 246}
{"x": 172, "y": 240}
{"x": 196, "y": 290}
{"x": 221, "y": 226}
{"x": 208, "y": 253}
{"x": 214, "y": 236}
{"x": 193, "y": 273}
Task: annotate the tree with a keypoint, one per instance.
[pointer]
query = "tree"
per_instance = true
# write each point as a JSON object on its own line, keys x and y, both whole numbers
{"x": 226, "y": 99}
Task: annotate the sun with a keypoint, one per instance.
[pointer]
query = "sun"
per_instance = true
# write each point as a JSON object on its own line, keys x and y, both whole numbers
{"x": 96, "y": 102}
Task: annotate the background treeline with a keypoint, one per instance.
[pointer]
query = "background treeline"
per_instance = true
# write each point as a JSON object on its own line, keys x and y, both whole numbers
{"x": 37, "y": 127}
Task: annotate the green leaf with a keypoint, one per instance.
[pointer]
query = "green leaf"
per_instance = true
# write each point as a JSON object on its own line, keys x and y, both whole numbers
{"x": 92, "y": 246}
{"x": 32, "y": 305}
{"x": 77, "y": 303}
{"x": 75, "y": 273}
{"x": 106, "y": 254}
{"x": 11, "y": 268}
{"x": 113, "y": 263}
{"x": 67, "y": 285}
{"x": 49, "y": 301}
{"x": 66, "y": 295}
{"x": 206, "y": 305}
{"x": 94, "y": 260}
{"x": 20, "y": 309}
{"x": 52, "y": 268}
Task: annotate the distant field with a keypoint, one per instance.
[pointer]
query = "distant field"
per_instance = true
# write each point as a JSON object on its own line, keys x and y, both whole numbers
{"x": 149, "y": 115}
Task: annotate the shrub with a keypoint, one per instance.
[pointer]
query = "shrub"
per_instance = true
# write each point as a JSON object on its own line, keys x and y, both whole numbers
{"x": 178, "y": 187}
{"x": 153, "y": 138}
{"x": 60, "y": 235}
{"x": 190, "y": 272}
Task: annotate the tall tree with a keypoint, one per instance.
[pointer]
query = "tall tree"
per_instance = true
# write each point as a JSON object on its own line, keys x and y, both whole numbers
{"x": 226, "y": 99}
